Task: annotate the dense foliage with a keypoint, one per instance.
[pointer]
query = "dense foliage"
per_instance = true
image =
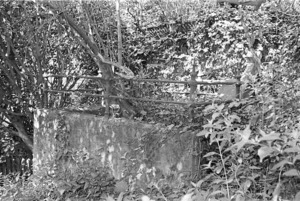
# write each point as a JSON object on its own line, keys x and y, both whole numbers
{"x": 251, "y": 145}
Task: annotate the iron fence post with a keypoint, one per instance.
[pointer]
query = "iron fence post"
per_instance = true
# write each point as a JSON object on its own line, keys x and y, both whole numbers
{"x": 238, "y": 87}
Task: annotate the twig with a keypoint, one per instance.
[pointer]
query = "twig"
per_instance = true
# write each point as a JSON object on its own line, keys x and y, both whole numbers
{"x": 223, "y": 164}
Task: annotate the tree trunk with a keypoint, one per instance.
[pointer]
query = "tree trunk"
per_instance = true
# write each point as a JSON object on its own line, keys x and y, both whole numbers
{"x": 104, "y": 66}
{"x": 120, "y": 48}
{"x": 18, "y": 124}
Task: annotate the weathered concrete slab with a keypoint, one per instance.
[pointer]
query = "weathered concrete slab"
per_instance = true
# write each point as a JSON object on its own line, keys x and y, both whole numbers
{"x": 126, "y": 146}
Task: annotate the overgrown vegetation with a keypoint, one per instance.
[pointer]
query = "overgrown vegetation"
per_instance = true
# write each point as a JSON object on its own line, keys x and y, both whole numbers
{"x": 251, "y": 145}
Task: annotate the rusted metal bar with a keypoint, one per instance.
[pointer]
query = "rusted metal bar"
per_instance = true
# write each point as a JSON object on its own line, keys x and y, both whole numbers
{"x": 93, "y": 90}
{"x": 185, "y": 82}
{"x": 187, "y": 93}
{"x": 137, "y": 99}
{"x": 219, "y": 82}
{"x": 238, "y": 87}
{"x": 193, "y": 88}
{"x": 193, "y": 84}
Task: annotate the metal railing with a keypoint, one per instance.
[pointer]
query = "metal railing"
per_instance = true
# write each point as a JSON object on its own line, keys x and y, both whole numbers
{"x": 107, "y": 96}
{"x": 191, "y": 98}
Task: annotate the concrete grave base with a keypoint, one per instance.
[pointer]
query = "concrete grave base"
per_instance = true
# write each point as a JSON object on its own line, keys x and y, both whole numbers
{"x": 126, "y": 146}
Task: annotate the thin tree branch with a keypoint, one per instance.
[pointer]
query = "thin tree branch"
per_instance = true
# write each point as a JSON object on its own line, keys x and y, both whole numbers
{"x": 104, "y": 65}
{"x": 92, "y": 24}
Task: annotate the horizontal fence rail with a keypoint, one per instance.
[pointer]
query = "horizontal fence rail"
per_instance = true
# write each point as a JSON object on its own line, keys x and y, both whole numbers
{"x": 132, "y": 98}
{"x": 193, "y": 84}
{"x": 207, "y": 82}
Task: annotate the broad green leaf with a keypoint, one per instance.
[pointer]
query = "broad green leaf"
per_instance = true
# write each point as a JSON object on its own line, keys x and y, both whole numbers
{"x": 234, "y": 104}
{"x": 201, "y": 196}
{"x": 120, "y": 197}
{"x": 203, "y": 133}
{"x": 199, "y": 183}
{"x": 181, "y": 56}
{"x": 143, "y": 112}
{"x": 61, "y": 189}
{"x": 218, "y": 192}
{"x": 187, "y": 197}
{"x": 264, "y": 152}
{"x": 145, "y": 198}
{"x": 17, "y": 177}
{"x": 170, "y": 126}
{"x": 109, "y": 198}
{"x": 209, "y": 124}
{"x": 229, "y": 180}
{"x": 281, "y": 164}
{"x": 234, "y": 117}
{"x": 215, "y": 115}
{"x": 218, "y": 126}
{"x": 269, "y": 137}
{"x": 94, "y": 175}
{"x": 210, "y": 154}
{"x": 292, "y": 150}
{"x": 220, "y": 107}
{"x": 218, "y": 181}
{"x": 86, "y": 185}
{"x": 254, "y": 168}
{"x": 271, "y": 115}
{"x": 209, "y": 107}
{"x": 296, "y": 158}
{"x": 245, "y": 135}
{"x": 292, "y": 173}
{"x": 246, "y": 185}
{"x": 240, "y": 197}
{"x": 218, "y": 169}
{"x": 295, "y": 134}
{"x": 253, "y": 177}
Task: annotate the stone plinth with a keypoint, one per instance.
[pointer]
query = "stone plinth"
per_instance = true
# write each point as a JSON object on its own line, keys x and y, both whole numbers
{"x": 124, "y": 145}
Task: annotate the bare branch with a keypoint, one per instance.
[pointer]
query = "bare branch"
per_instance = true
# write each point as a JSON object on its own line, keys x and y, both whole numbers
{"x": 104, "y": 65}
{"x": 92, "y": 24}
